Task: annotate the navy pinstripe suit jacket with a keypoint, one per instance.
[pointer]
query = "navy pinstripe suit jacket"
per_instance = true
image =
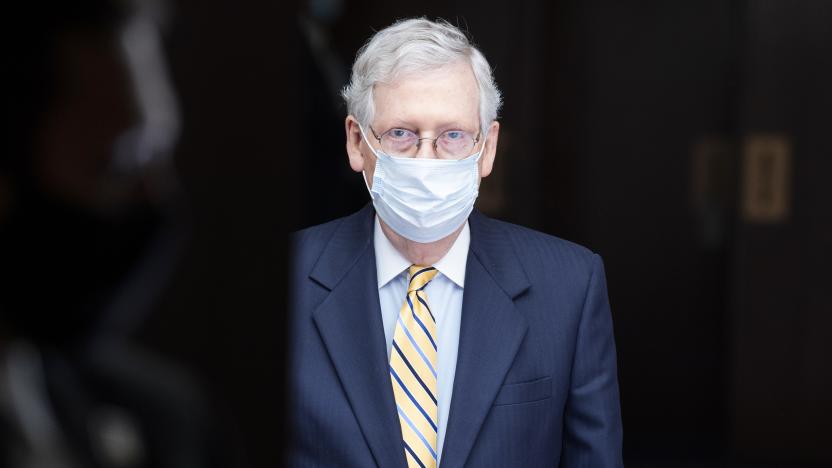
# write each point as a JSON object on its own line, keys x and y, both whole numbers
{"x": 536, "y": 382}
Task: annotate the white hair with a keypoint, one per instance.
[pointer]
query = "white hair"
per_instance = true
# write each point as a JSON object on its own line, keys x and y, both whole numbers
{"x": 416, "y": 45}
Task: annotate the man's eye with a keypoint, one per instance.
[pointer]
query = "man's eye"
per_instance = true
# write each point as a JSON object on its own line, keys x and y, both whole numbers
{"x": 454, "y": 135}
{"x": 400, "y": 134}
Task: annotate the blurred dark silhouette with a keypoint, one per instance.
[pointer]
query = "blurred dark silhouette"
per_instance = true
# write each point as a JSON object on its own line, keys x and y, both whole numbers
{"x": 90, "y": 230}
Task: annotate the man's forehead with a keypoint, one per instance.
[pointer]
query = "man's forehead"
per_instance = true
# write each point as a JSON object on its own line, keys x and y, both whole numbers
{"x": 449, "y": 93}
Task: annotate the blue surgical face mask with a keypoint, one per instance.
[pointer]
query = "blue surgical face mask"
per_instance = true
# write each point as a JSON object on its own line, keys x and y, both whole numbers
{"x": 423, "y": 200}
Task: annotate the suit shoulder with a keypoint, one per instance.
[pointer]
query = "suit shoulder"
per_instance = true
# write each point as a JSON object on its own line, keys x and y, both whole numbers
{"x": 325, "y": 230}
{"x": 315, "y": 233}
{"x": 306, "y": 245}
{"x": 534, "y": 245}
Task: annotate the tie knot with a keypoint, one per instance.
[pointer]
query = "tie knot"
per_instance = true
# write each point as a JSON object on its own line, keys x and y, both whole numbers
{"x": 420, "y": 276}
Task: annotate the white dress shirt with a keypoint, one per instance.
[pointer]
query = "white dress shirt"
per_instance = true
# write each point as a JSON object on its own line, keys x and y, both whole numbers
{"x": 445, "y": 299}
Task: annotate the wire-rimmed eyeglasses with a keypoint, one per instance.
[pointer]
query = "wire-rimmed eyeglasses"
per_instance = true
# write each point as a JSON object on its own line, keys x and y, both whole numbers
{"x": 450, "y": 144}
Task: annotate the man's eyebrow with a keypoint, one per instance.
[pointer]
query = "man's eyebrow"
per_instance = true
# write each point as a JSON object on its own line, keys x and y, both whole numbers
{"x": 402, "y": 123}
{"x": 441, "y": 127}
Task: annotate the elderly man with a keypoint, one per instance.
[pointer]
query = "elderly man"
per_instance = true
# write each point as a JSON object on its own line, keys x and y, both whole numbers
{"x": 423, "y": 332}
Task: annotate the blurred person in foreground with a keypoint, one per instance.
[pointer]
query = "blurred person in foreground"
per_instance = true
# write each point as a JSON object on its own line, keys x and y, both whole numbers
{"x": 423, "y": 332}
{"x": 87, "y": 242}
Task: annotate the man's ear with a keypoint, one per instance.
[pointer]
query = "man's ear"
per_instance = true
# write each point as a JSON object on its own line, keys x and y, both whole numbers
{"x": 354, "y": 144}
{"x": 489, "y": 151}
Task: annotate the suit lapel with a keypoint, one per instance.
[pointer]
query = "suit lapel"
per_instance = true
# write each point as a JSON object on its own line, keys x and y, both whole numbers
{"x": 490, "y": 334}
{"x": 349, "y": 322}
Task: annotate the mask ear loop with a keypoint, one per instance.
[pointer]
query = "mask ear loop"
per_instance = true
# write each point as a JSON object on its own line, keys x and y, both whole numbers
{"x": 363, "y": 171}
{"x": 484, "y": 142}
{"x": 477, "y": 159}
{"x": 364, "y": 178}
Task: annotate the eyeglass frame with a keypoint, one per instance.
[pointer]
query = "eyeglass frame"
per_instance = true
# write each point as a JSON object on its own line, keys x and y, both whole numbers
{"x": 419, "y": 139}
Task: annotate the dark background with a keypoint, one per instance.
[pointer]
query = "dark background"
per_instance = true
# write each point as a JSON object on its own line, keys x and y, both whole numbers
{"x": 629, "y": 127}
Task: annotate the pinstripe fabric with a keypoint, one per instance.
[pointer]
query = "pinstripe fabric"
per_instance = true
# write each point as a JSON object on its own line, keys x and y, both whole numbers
{"x": 413, "y": 371}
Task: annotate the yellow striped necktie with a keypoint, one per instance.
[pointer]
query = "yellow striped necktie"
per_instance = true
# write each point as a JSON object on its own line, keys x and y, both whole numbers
{"x": 413, "y": 371}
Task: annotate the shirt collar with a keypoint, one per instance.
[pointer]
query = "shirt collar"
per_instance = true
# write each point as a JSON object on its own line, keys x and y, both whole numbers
{"x": 391, "y": 263}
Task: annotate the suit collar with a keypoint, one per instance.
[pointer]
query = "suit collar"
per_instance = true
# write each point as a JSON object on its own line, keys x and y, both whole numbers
{"x": 348, "y": 243}
{"x": 495, "y": 251}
